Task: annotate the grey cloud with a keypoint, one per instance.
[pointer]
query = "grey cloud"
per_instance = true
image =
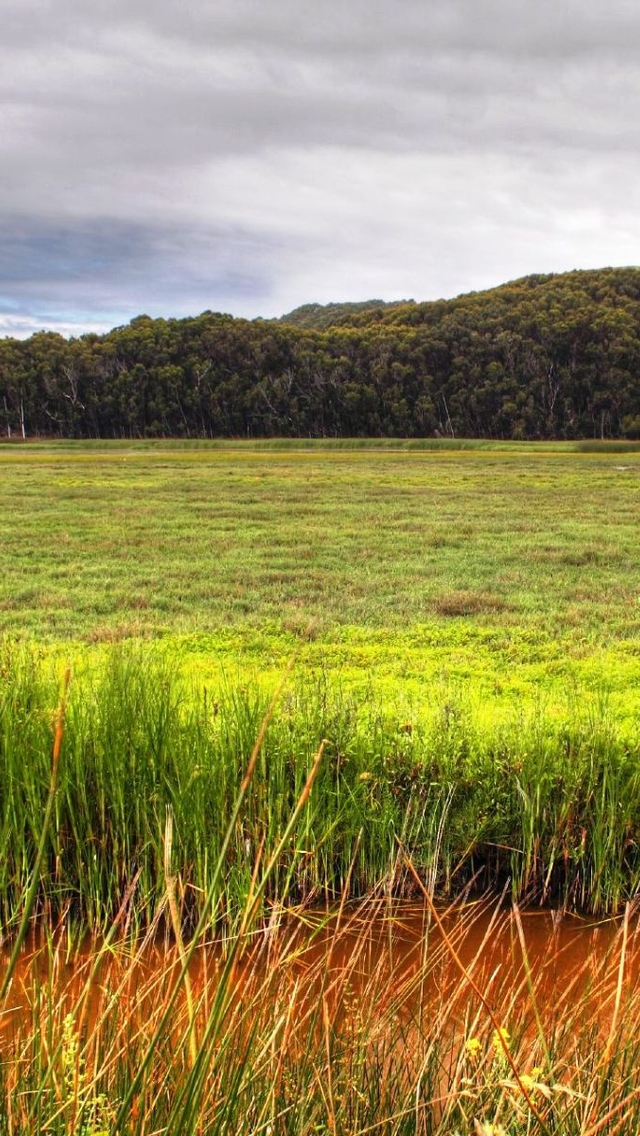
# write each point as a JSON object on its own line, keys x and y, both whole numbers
{"x": 132, "y": 80}
{"x": 49, "y": 272}
{"x": 362, "y": 27}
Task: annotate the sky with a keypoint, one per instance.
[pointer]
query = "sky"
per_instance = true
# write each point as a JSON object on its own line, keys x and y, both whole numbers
{"x": 249, "y": 156}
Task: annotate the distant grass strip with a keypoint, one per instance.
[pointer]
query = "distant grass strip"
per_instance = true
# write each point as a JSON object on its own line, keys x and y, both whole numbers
{"x": 16, "y": 446}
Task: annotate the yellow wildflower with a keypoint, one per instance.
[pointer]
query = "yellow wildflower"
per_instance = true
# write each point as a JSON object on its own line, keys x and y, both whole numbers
{"x": 532, "y": 1083}
{"x": 501, "y": 1038}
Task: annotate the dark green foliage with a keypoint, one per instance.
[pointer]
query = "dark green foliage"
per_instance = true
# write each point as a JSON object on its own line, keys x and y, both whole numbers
{"x": 544, "y": 357}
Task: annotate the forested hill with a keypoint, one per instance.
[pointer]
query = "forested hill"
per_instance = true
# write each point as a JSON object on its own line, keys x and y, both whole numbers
{"x": 322, "y": 316}
{"x": 542, "y": 357}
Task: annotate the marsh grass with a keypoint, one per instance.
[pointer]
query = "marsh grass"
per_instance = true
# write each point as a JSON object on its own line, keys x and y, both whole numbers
{"x": 192, "y": 862}
{"x": 193, "y": 838}
{"x": 547, "y": 807}
{"x": 319, "y": 1028}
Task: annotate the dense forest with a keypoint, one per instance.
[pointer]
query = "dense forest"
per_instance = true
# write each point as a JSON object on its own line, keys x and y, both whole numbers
{"x": 542, "y": 357}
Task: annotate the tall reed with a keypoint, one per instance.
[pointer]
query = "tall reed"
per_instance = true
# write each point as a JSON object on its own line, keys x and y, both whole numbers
{"x": 326, "y": 1027}
{"x": 548, "y": 807}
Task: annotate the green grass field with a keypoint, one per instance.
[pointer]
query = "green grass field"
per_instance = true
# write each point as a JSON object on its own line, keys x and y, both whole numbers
{"x": 463, "y": 620}
{"x": 461, "y": 717}
{"x": 495, "y": 572}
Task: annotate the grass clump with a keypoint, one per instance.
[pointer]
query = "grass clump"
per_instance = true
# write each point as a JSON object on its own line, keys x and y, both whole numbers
{"x": 547, "y": 807}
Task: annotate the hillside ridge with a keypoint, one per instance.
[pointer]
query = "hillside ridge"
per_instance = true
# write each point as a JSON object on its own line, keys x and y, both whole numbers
{"x": 541, "y": 357}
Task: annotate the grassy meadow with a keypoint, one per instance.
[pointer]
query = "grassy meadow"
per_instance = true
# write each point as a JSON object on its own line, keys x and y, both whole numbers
{"x": 498, "y": 573}
{"x": 300, "y": 675}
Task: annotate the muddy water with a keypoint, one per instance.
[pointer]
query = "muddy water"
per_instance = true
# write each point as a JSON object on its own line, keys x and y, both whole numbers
{"x": 385, "y": 960}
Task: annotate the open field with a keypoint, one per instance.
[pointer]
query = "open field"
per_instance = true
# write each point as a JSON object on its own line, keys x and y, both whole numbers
{"x": 497, "y": 571}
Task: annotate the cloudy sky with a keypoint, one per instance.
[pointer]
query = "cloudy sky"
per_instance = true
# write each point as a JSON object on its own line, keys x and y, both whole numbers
{"x": 168, "y": 156}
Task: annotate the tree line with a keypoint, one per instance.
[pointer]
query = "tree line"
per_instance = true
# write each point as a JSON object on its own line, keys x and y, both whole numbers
{"x": 545, "y": 357}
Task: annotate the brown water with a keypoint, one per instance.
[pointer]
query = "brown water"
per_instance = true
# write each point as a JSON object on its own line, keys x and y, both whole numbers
{"x": 379, "y": 960}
